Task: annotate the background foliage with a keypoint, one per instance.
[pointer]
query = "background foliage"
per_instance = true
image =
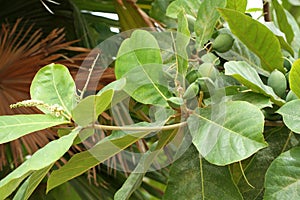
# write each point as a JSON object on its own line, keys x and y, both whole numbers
{"x": 239, "y": 150}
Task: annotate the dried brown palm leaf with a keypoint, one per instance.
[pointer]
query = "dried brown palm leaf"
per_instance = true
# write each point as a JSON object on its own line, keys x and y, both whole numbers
{"x": 22, "y": 54}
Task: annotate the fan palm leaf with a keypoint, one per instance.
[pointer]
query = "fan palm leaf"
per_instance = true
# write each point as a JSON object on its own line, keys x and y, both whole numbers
{"x": 20, "y": 59}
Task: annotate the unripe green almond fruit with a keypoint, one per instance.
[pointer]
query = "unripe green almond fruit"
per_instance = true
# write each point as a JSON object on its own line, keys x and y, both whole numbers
{"x": 277, "y": 81}
{"x": 223, "y": 42}
{"x": 208, "y": 70}
{"x": 175, "y": 102}
{"x": 191, "y": 91}
{"x": 192, "y": 76}
{"x": 291, "y": 96}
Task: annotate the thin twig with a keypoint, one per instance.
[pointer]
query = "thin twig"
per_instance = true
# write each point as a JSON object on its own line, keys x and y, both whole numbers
{"x": 287, "y": 141}
{"x": 273, "y": 123}
{"x": 137, "y": 128}
{"x": 244, "y": 175}
{"x": 266, "y": 11}
{"x": 89, "y": 77}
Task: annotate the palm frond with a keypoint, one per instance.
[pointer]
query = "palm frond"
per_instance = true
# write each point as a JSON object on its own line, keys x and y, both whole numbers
{"x": 22, "y": 53}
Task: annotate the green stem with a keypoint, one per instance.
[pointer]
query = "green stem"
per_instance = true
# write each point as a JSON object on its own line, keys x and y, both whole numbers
{"x": 202, "y": 177}
{"x": 287, "y": 141}
{"x": 138, "y": 128}
{"x": 244, "y": 175}
{"x": 89, "y": 77}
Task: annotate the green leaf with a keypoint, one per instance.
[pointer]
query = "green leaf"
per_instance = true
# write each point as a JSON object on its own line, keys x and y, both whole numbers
{"x": 238, "y": 5}
{"x": 158, "y": 11}
{"x": 239, "y": 52}
{"x": 293, "y": 22}
{"x": 117, "y": 85}
{"x": 257, "y": 37}
{"x": 282, "y": 21}
{"x": 207, "y": 18}
{"x": 83, "y": 161}
{"x": 182, "y": 40}
{"x": 291, "y": 115}
{"x": 294, "y": 78}
{"x": 39, "y": 160}
{"x": 53, "y": 84}
{"x": 284, "y": 45}
{"x": 283, "y": 176}
{"x": 246, "y": 75}
{"x": 119, "y": 93}
{"x": 31, "y": 183}
{"x": 193, "y": 178}
{"x": 88, "y": 110}
{"x": 256, "y": 99}
{"x": 225, "y": 134}
{"x": 136, "y": 177}
{"x": 16, "y": 126}
{"x": 294, "y": 2}
{"x": 140, "y": 62}
{"x": 255, "y": 169}
{"x": 138, "y": 50}
{"x": 190, "y": 7}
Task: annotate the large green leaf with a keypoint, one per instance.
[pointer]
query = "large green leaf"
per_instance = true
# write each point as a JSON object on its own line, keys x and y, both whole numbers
{"x": 280, "y": 36}
{"x": 293, "y": 22}
{"x": 119, "y": 93}
{"x": 226, "y": 134}
{"x": 136, "y": 177}
{"x": 138, "y": 50}
{"x": 257, "y": 37}
{"x": 256, "y": 99}
{"x": 193, "y": 178}
{"x": 39, "y": 160}
{"x": 278, "y": 138}
{"x": 53, "y": 84}
{"x": 83, "y": 161}
{"x": 158, "y": 11}
{"x": 283, "y": 177}
{"x": 294, "y": 78}
{"x": 182, "y": 40}
{"x": 31, "y": 183}
{"x": 140, "y": 62}
{"x": 88, "y": 110}
{"x": 246, "y": 75}
{"x": 190, "y": 7}
{"x": 291, "y": 115}
{"x": 239, "y": 52}
{"x": 207, "y": 18}
{"x": 238, "y": 5}
{"x": 15, "y": 126}
{"x": 282, "y": 21}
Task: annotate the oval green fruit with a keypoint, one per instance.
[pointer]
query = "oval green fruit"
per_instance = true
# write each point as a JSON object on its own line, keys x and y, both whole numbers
{"x": 223, "y": 42}
{"x": 191, "y": 91}
{"x": 192, "y": 76}
{"x": 277, "y": 81}
{"x": 208, "y": 70}
{"x": 291, "y": 96}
